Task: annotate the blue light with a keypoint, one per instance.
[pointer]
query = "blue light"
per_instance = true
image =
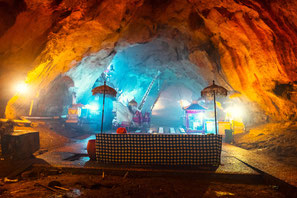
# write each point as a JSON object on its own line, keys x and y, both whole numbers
{"x": 93, "y": 107}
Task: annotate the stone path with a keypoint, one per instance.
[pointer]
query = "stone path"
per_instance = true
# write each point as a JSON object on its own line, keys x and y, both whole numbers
{"x": 263, "y": 163}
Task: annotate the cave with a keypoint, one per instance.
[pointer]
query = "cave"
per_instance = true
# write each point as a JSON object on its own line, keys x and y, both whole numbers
{"x": 134, "y": 67}
{"x": 162, "y": 63}
{"x": 198, "y": 42}
{"x": 165, "y": 50}
{"x": 244, "y": 48}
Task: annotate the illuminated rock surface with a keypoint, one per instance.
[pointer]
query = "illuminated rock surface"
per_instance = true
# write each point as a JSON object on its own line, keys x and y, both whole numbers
{"x": 247, "y": 46}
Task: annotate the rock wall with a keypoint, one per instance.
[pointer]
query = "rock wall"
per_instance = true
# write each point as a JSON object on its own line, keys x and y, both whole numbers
{"x": 248, "y": 46}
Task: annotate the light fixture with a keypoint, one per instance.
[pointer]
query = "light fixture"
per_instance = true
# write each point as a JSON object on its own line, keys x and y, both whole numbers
{"x": 184, "y": 103}
{"x": 92, "y": 107}
{"x": 22, "y": 88}
{"x": 235, "y": 111}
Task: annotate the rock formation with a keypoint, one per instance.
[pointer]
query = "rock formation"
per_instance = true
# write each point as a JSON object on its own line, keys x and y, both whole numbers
{"x": 248, "y": 46}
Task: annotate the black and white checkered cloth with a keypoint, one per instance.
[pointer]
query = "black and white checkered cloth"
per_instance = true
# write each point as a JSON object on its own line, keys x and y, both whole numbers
{"x": 159, "y": 149}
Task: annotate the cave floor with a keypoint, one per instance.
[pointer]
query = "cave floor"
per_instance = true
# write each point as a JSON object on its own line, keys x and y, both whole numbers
{"x": 86, "y": 185}
{"x": 74, "y": 155}
{"x": 276, "y": 140}
{"x": 235, "y": 161}
{"x": 240, "y": 171}
{"x": 70, "y": 166}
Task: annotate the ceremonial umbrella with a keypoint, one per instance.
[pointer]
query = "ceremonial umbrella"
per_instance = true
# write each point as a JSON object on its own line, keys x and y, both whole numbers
{"x": 213, "y": 91}
{"x": 105, "y": 90}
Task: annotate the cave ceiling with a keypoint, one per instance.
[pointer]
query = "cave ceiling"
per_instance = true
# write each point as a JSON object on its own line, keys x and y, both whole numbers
{"x": 247, "y": 46}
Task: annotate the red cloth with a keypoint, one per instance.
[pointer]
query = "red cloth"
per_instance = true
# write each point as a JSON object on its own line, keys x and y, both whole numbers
{"x": 91, "y": 148}
{"x": 121, "y": 130}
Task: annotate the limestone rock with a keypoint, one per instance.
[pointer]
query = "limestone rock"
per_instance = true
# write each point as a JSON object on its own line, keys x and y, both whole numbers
{"x": 248, "y": 46}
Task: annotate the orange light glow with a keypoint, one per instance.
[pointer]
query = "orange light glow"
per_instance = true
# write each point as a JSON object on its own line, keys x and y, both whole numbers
{"x": 22, "y": 88}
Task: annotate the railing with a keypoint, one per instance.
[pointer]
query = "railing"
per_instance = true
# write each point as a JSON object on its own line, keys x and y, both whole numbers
{"x": 148, "y": 91}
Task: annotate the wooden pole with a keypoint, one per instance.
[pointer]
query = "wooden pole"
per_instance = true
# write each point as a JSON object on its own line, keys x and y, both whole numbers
{"x": 103, "y": 106}
{"x": 215, "y": 110}
{"x": 187, "y": 121}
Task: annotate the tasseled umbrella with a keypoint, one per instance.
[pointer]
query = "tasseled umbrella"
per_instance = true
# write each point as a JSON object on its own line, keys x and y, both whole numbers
{"x": 104, "y": 89}
{"x": 213, "y": 91}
